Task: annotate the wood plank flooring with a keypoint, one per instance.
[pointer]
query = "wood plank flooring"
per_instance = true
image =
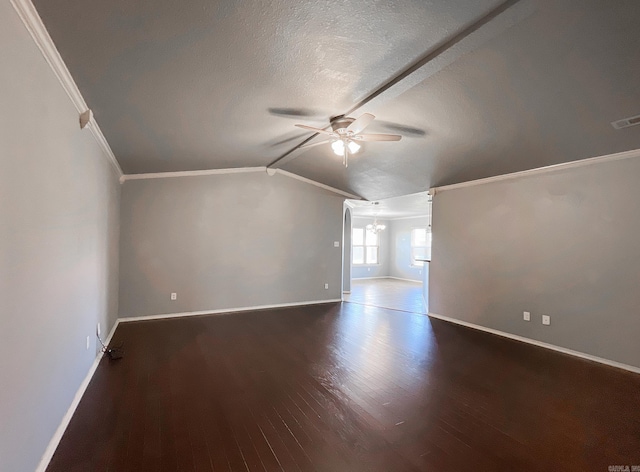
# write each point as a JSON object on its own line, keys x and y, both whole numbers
{"x": 346, "y": 387}
{"x": 387, "y": 293}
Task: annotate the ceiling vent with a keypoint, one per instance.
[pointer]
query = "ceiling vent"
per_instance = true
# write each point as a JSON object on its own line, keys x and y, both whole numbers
{"x": 632, "y": 121}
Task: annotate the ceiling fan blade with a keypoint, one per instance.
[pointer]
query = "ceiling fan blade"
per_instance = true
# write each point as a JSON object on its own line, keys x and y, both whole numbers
{"x": 310, "y": 145}
{"x": 404, "y": 130}
{"x": 361, "y": 123}
{"x": 288, "y": 112}
{"x": 316, "y": 130}
{"x": 377, "y": 137}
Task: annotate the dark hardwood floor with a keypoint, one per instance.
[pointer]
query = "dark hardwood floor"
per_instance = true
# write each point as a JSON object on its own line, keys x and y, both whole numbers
{"x": 346, "y": 387}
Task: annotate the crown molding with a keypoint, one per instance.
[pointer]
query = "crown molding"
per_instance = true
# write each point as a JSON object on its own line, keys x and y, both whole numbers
{"x": 32, "y": 21}
{"x": 318, "y": 184}
{"x": 369, "y": 217}
{"x": 413, "y": 217}
{"x": 191, "y": 173}
{"x": 389, "y": 218}
{"x": 541, "y": 170}
{"x": 233, "y": 170}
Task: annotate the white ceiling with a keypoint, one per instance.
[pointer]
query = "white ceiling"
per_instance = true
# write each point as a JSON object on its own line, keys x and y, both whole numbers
{"x": 405, "y": 206}
{"x": 476, "y": 87}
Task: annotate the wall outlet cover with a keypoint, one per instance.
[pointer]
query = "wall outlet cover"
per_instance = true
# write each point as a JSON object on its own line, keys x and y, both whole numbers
{"x": 526, "y": 316}
{"x": 546, "y": 320}
{"x": 336, "y": 244}
{"x": 174, "y": 296}
{"x": 326, "y": 286}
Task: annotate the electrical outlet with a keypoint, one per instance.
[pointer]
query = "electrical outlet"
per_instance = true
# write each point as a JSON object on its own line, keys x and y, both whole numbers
{"x": 326, "y": 286}
{"x": 546, "y": 320}
{"x": 336, "y": 244}
{"x": 526, "y": 316}
{"x": 88, "y": 341}
{"x": 174, "y": 296}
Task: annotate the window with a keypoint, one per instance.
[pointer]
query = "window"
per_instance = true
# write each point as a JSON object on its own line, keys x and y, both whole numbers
{"x": 365, "y": 246}
{"x": 420, "y": 246}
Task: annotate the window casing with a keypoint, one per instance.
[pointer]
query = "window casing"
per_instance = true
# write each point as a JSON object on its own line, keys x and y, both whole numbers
{"x": 365, "y": 247}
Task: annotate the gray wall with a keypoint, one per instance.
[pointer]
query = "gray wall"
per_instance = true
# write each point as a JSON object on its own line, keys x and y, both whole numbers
{"x": 227, "y": 241}
{"x": 400, "y": 248}
{"x": 425, "y": 285}
{"x": 346, "y": 251}
{"x": 59, "y": 204}
{"x": 563, "y": 243}
{"x": 377, "y": 270}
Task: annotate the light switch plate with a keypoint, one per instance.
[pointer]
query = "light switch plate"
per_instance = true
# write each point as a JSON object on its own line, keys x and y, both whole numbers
{"x": 546, "y": 320}
{"x": 526, "y": 316}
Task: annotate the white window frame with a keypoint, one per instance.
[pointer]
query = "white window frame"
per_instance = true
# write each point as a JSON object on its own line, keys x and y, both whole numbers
{"x": 364, "y": 248}
{"x": 414, "y": 262}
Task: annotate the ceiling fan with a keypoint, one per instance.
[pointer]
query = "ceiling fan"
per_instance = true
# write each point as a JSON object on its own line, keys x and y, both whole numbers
{"x": 345, "y": 134}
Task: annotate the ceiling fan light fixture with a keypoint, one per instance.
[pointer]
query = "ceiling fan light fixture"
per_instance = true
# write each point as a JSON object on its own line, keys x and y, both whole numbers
{"x": 344, "y": 135}
{"x": 353, "y": 147}
{"x": 339, "y": 144}
{"x": 338, "y": 147}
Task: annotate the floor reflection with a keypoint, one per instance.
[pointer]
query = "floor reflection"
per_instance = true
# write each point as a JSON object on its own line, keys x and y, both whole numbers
{"x": 387, "y": 293}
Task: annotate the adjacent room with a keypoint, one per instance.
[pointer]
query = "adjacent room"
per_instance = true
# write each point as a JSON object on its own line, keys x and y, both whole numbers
{"x": 319, "y": 236}
{"x": 390, "y": 252}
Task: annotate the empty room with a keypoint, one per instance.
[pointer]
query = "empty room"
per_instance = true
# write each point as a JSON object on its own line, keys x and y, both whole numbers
{"x": 319, "y": 236}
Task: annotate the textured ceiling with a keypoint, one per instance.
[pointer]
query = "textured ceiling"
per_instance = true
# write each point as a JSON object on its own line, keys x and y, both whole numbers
{"x": 204, "y": 85}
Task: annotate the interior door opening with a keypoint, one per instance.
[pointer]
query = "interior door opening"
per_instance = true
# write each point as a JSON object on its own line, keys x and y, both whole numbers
{"x": 390, "y": 250}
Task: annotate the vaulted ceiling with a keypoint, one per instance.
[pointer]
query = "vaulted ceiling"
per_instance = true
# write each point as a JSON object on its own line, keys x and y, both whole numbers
{"x": 476, "y": 87}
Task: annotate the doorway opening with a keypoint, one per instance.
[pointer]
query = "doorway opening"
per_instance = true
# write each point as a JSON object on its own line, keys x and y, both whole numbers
{"x": 387, "y": 252}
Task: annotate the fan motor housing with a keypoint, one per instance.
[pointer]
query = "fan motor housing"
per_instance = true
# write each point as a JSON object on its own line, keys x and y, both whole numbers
{"x": 339, "y": 124}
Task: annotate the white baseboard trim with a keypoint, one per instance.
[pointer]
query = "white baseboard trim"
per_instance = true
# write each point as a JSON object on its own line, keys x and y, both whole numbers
{"x": 553, "y": 347}
{"x": 406, "y": 280}
{"x": 223, "y": 311}
{"x": 386, "y": 277}
{"x": 57, "y": 436}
